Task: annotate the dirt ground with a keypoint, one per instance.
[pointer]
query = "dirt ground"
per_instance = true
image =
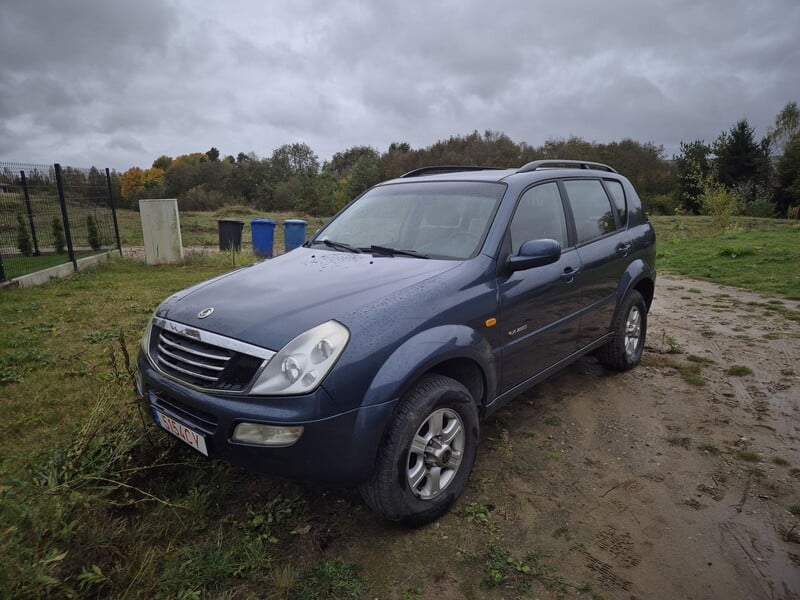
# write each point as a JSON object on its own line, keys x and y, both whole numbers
{"x": 673, "y": 480}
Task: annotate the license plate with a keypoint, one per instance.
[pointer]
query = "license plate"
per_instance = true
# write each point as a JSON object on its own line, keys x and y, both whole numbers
{"x": 182, "y": 432}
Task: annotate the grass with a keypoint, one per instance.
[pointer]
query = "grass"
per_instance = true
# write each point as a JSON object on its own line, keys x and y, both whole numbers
{"x": 748, "y": 456}
{"x": 680, "y": 441}
{"x": 739, "y": 371}
{"x": 756, "y": 254}
{"x": 692, "y": 374}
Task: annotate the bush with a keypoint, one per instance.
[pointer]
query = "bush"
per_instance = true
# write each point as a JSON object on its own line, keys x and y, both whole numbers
{"x": 660, "y": 204}
{"x": 720, "y": 204}
{"x": 93, "y": 233}
{"x": 201, "y": 197}
{"x": 23, "y": 237}
{"x": 59, "y": 241}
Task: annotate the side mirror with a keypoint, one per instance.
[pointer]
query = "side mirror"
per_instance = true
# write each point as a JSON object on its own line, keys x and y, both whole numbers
{"x": 535, "y": 253}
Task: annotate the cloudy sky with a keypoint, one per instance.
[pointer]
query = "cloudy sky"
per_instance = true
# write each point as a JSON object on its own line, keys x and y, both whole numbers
{"x": 118, "y": 83}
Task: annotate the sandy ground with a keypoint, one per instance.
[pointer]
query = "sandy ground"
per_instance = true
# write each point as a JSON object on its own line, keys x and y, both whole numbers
{"x": 668, "y": 489}
{"x": 640, "y": 484}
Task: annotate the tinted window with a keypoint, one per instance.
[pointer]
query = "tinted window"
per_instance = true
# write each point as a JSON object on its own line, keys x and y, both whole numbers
{"x": 539, "y": 215}
{"x": 618, "y": 195}
{"x": 591, "y": 208}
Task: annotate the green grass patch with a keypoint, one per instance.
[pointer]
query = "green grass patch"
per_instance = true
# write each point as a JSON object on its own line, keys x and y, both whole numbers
{"x": 795, "y": 509}
{"x": 748, "y": 456}
{"x": 553, "y": 421}
{"x": 780, "y": 461}
{"x": 692, "y": 374}
{"x": 701, "y": 360}
{"x": 710, "y": 448}
{"x": 680, "y": 441}
{"x": 739, "y": 371}
{"x": 756, "y": 254}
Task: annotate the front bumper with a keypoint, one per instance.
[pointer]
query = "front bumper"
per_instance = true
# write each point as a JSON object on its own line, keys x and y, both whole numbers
{"x": 336, "y": 449}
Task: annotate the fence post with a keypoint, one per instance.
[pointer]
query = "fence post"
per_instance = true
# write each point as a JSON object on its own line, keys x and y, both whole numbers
{"x": 2, "y": 270}
{"x": 113, "y": 210}
{"x": 29, "y": 208}
{"x": 63, "y": 201}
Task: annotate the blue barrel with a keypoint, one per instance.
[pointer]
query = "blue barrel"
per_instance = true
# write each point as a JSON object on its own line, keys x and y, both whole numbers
{"x": 263, "y": 231}
{"x": 294, "y": 233}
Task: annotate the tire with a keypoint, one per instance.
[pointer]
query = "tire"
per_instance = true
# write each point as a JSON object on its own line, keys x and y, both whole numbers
{"x": 416, "y": 479}
{"x": 624, "y": 350}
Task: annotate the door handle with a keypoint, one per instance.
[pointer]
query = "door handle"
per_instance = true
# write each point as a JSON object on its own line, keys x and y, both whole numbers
{"x": 569, "y": 274}
{"x": 623, "y": 248}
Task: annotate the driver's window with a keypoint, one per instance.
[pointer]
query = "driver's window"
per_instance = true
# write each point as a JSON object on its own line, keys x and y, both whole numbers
{"x": 539, "y": 215}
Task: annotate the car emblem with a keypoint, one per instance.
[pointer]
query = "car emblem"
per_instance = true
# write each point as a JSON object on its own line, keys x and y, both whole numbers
{"x": 205, "y": 312}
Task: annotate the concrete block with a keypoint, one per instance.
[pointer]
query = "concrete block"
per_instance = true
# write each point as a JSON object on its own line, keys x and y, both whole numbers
{"x": 161, "y": 229}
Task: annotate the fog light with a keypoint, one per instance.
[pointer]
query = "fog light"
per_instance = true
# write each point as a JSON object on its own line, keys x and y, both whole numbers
{"x": 266, "y": 435}
{"x": 138, "y": 380}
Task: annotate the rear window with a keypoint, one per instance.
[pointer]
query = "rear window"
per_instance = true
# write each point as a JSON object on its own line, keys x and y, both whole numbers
{"x": 591, "y": 209}
{"x": 618, "y": 196}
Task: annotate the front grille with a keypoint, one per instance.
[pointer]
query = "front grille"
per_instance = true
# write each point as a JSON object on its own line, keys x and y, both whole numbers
{"x": 191, "y": 360}
{"x": 203, "y": 364}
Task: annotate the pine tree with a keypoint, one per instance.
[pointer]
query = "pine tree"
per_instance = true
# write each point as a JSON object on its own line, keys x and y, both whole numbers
{"x": 23, "y": 237}
{"x": 93, "y": 233}
{"x": 59, "y": 241}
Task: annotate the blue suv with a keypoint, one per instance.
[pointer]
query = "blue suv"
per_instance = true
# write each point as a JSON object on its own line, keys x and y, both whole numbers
{"x": 369, "y": 356}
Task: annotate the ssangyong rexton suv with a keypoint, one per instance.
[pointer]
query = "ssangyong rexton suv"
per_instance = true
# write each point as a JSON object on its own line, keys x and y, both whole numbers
{"x": 369, "y": 356}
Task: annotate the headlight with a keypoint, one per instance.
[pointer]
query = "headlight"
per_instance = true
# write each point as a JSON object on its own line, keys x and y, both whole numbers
{"x": 147, "y": 333}
{"x": 302, "y": 364}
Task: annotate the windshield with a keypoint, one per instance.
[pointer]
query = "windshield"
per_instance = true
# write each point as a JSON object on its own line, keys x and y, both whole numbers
{"x": 438, "y": 219}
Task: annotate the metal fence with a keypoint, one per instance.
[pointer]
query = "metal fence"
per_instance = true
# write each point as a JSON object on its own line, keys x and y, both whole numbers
{"x": 52, "y": 215}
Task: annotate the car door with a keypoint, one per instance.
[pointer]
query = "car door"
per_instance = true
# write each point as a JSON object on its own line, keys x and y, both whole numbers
{"x": 603, "y": 250}
{"x": 539, "y": 306}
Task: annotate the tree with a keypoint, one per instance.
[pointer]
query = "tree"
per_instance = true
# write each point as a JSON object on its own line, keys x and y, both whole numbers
{"x": 742, "y": 163}
{"x": 693, "y": 166}
{"x": 786, "y": 127}
{"x": 787, "y": 189}
{"x": 139, "y": 183}
{"x": 343, "y": 162}
{"x": 213, "y": 154}
{"x": 163, "y": 162}
{"x": 59, "y": 241}
{"x": 93, "y": 233}
{"x": 23, "y": 236}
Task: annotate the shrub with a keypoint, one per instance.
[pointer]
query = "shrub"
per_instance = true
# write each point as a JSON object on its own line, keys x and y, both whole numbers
{"x": 201, "y": 197}
{"x": 93, "y": 233}
{"x": 59, "y": 241}
{"x": 23, "y": 237}
{"x": 720, "y": 203}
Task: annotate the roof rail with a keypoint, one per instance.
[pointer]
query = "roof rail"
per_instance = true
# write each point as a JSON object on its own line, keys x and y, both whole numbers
{"x": 564, "y": 164}
{"x": 446, "y": 169}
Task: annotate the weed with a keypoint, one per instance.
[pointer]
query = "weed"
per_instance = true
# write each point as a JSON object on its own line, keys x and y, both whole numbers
{"x": 694, "y": 290}
{"x": 748, "y": 456}
{"x": 707, "y": 333}
{"x": 755, "y": 472}
{"x": 329, "y": 579}
{"x": 691, "y": 374}
{"x": 553, "y": 421}
{"x": 682, "y": 441}
{"x": 710, "y": 448}
{"x": 702, "y": 360}
{"x": 739, "y": 371}
{"x": 780, "y": 461}
{"x": 787, "y": 372}
{"x": 412, "y": 594}
{"x": 97, "y": 337}
{"x": 283, "y": 580}
{"x": 735, "y": 251}
{"x": 672, "y": 345}
{"x": 795, "y": 509}
{"x": 480, "y": 514}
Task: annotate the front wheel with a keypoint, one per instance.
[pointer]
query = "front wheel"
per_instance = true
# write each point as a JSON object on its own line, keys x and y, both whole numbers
{"x": 624, "y": 350}
{"x": 427, "y": 453}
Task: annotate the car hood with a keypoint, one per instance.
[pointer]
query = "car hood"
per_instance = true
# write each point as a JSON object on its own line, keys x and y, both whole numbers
{"x": 270, "y": 303}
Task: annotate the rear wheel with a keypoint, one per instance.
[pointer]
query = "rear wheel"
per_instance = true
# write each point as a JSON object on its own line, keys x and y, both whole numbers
{"x": 624, "y": 350}
{"x": 427, "y": 453}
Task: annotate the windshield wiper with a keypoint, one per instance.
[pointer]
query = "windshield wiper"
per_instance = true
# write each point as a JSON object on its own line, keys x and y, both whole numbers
{"x": 337, "y": 245}
{"x": 395, "y": 251}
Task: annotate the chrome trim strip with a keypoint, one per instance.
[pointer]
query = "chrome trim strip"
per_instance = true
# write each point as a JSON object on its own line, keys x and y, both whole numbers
{"x": 213, "y": 338}
{"x": 190, "y": 373}
{"x": 182, "y": 360}
{"x": 207, "y": 355}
